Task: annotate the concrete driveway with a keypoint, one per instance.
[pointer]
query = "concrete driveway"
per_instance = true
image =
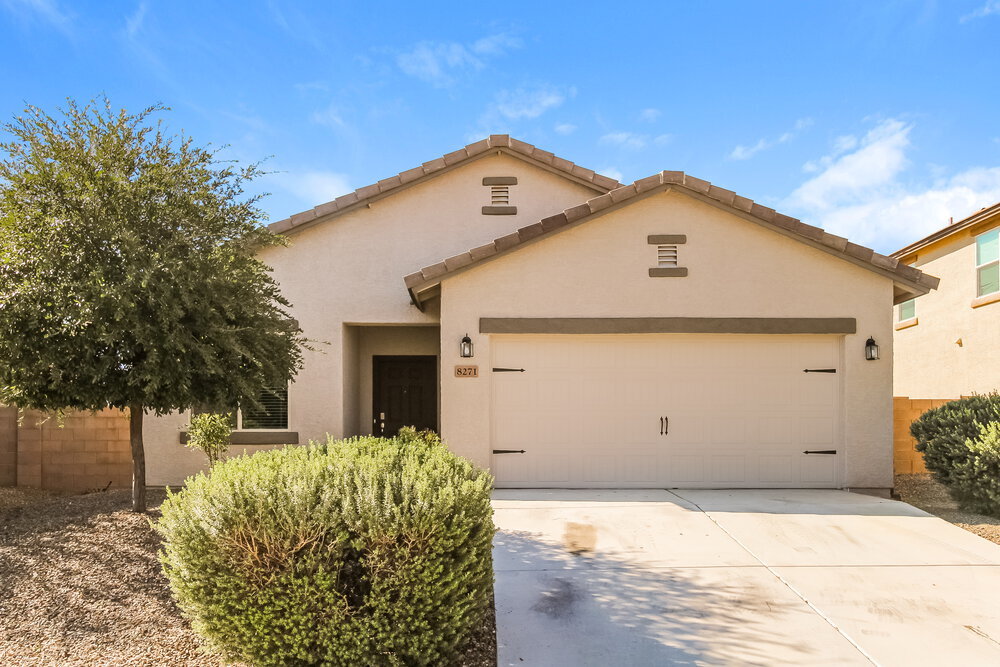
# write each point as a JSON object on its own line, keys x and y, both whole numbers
{"x": 748, "y": 577}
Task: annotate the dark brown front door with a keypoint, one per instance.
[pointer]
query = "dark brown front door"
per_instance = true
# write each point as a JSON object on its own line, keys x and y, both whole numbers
{"x": 404, "y": 393}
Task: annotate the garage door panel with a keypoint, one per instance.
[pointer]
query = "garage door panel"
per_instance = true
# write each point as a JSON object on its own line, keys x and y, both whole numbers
{"x": 587, "y": 410}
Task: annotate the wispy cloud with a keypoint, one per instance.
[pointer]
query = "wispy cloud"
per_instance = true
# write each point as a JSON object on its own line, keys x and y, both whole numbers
{"x": 650, "y": 115}
{"x": 332, "y": 117}
{"x": 133, "y": 24}
{"x": 565, "y": 128}
{"x": 634, "y": 141}
{"x": 45, "y": 11}
{"x": 742, "y": 152}
{"x": 865, "y": 190}
{"x": 312, "y": 187}
{"x": 991, "y": 7}
{"x": 441, "y": 63}
{"x": 532, "y": 102}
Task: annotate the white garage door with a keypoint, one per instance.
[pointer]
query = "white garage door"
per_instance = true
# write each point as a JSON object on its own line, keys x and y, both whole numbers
{"x": 666, "y": 410}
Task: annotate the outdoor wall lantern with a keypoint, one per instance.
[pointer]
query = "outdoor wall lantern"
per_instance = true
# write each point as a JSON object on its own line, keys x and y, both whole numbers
{"x": 465, "y": 348}
{"x": 871, "y": 349}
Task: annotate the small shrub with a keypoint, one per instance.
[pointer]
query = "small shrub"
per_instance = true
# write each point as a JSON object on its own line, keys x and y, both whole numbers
{"x": 977, "y": 480}
{"x": 943, "y": 433}
{"x": 366, "y": 551}
{"x": 210, "y": 433}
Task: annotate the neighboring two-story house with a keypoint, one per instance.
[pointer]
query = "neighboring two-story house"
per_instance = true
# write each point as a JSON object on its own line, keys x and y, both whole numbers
{"x": 568, "y": 331}
{"x": 948, "y": 341}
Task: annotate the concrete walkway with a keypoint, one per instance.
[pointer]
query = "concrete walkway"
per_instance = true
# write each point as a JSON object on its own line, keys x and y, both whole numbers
{"x": 748, "y": 577}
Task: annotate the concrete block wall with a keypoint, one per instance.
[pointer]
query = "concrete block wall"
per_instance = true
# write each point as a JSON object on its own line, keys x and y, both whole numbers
{"x": 906, "y": 459}
{"x": 83, "y": 451}
{"x": 8, "y": 446}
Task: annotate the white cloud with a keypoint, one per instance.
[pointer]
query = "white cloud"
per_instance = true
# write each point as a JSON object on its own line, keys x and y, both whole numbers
{"x": 565, "y": 128}
{"x": 742, "y": 152}
{"x": 313, "y": 188}
{"x": 440, "y": 63}
{"x": 629, "y": 140}
{"x": 611, "y": 172}
{"x": 331, "y": 116}
{"x": 529, "y": 102}
{"x": 133, "y": 24}
{"x": 44, "y": 10}
{"x": 991, "y": 7}
{"x": 650, "y": 115}
{"x": 663, "y": 139}
{"x": 862, "y": 193}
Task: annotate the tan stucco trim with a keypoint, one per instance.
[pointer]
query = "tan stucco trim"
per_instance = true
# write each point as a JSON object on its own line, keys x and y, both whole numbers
{"x": 499, "y": 210}
{"x": 909, "y": 281}
{"x": 499, "y": 180}
{"x": 647, "y": 325}
{"x": 985, "y": 300}
{"x": 495, "y": 144}
{"x": 672, "y": 239}
{"x": 257, "y": 438}
{"x": 906, "y": 324}
{"x": 669, "y": 272}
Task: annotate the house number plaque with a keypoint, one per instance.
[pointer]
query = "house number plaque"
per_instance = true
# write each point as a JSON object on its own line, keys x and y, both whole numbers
{"x": 466, "y": 371}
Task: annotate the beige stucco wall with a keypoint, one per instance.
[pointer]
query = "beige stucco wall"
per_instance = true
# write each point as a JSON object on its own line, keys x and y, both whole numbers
{"x": 929, "y": 361}
{"x": 736, "y": 269}
{"x": 349, "y": 271}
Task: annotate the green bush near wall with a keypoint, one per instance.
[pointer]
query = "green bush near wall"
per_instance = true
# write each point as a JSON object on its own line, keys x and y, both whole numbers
{"x": 366, "y": 551}
{"x": 957, "y": 441}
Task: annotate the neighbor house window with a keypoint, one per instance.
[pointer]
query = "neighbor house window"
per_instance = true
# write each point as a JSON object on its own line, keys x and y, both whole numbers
{"x": 272, "y": 415}
{"x": 907, "y": 310}
{"x": 988, "y": 262}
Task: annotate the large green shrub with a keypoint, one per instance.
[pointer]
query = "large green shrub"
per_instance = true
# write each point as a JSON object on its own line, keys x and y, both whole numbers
{"x": 977, "y": 480}
{"x": 943, "y": 433}
{"x": 367, "y": 551}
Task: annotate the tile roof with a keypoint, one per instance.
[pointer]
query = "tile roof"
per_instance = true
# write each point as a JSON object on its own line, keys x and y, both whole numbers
{"x": 495, "y": 142}
{"x": 915, "y": 279}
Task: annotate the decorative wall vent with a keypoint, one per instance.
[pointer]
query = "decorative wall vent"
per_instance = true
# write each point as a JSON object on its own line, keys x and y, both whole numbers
{"x": 499, "y": 195}
{"x": 667, "y": 255}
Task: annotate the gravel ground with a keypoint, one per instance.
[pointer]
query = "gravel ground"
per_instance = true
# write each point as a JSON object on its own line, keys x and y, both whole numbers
{"x": 80, "y": 585}
{"x": 931, "y": 496}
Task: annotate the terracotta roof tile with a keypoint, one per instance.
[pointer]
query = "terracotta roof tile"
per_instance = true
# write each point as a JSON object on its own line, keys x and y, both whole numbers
{"x": 623, "y": 193}
{"x": 458, "y": 261}
{"x": 721, "y": 194}
{"x": 697, "y": 184}
{"x": 577, "y": 212}
{"x": 388, "y": 185}
{"x": 414, "y": 279}
{"x": 672, "y": 177}
{"x": 507, "y": 242}
{"x": 554, "y": 221}
{"x": 742, "y": 203}
{"x": 483, "y": 251}
{"x": 530, "y": 232}
{"x": 647, "y": 183}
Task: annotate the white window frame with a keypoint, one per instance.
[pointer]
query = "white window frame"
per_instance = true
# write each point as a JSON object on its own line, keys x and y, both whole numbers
{"x": 899, "y": 316}
{"x": 995, "y": 230}
{"x": 239, "y": 418}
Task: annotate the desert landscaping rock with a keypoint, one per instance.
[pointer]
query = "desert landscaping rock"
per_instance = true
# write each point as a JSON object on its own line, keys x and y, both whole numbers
{"x": 925, "y": 492}
{"x": 80, "y": 584}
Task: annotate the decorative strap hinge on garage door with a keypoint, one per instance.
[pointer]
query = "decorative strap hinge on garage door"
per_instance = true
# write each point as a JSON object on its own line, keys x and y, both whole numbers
{"x": 820, "y": 451}
{"x": 508, "y": 451}
{"x": 819, "y": 370}
{"x": 508, "y": 370}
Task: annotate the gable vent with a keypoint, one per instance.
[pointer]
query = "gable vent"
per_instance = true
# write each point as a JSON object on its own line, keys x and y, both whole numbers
{"x": 500, "y": 195}
{"x": 666, "y": 256}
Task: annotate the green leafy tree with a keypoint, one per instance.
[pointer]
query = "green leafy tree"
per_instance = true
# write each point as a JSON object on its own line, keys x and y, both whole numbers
{"x": 210, "y": 433}
{"x": 128, "y": 272}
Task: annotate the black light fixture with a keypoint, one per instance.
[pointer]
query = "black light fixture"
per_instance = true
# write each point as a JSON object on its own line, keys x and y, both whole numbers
{"x": 465, "y": 348}
{"x": 871, "y": 349}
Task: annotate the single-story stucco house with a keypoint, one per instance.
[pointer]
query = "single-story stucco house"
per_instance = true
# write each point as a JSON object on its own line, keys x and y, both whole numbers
{"x": 568, "y": 331}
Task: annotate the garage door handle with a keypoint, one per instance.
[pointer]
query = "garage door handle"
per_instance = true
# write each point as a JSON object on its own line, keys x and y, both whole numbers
{"x": 508, "y": 451}
{"x": 820, "y": 451}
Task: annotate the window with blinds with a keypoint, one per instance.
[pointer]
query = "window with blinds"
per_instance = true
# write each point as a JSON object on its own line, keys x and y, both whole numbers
{"x": 272, "y": 413}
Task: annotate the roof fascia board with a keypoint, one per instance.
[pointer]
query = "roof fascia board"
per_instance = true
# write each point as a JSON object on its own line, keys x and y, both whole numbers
{"x": 942, "y": 234}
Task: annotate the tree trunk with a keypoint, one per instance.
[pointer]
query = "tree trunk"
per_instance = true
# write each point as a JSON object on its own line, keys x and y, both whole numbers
{"x": 138, "y": 458}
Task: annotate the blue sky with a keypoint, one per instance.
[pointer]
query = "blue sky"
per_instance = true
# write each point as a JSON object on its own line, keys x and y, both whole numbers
{"x": 877, "y": 120}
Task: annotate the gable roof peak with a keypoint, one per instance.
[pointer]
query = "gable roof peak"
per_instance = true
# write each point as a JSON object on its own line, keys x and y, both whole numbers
{"x": 503, "y": 143}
